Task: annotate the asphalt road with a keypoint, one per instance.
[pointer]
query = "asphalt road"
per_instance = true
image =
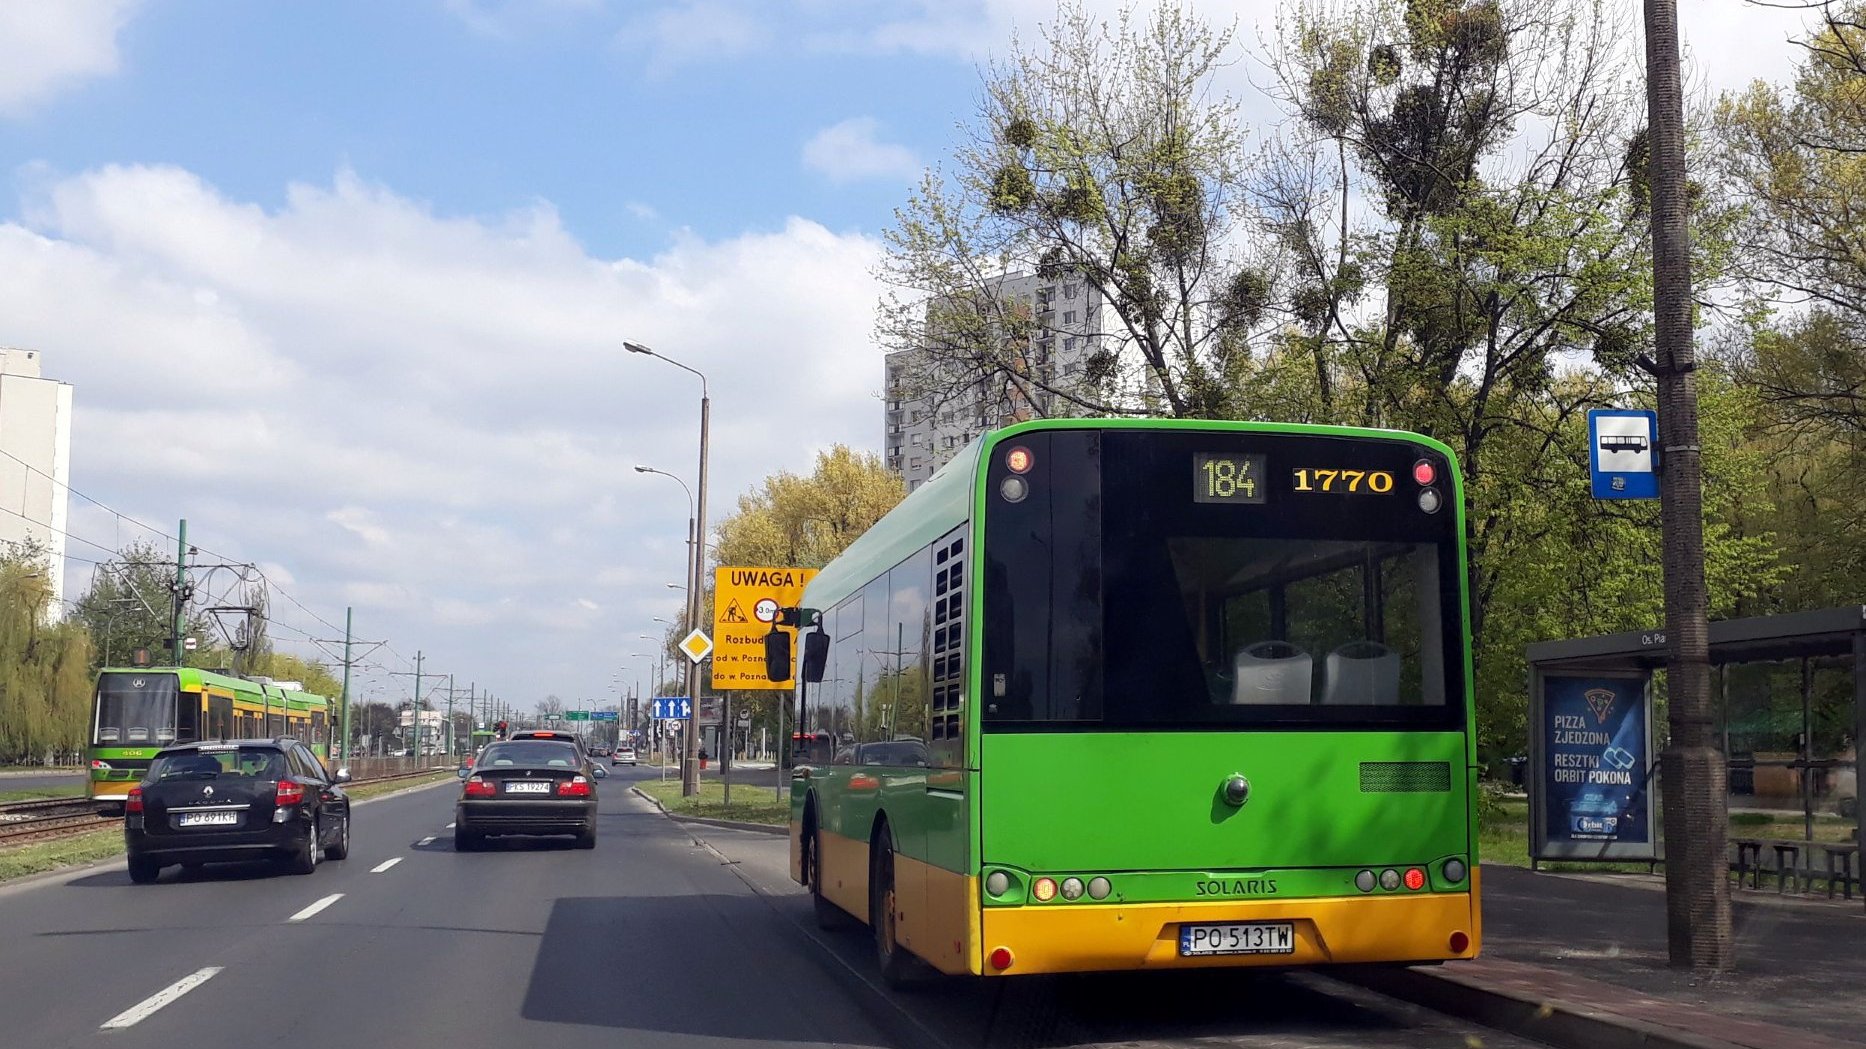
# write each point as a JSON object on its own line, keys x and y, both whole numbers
{"x": 664, "y": 935}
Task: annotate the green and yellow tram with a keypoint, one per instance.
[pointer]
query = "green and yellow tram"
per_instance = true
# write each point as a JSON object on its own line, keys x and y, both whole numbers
{"x": 1146, "y": 694}
{"x": 137, "y": 711}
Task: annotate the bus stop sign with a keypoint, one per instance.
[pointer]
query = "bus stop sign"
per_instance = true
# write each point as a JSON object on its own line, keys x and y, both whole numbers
{"x": 1623, "y": 455}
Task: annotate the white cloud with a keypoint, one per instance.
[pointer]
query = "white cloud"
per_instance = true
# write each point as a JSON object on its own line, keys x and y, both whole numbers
{"x": 46, "y": 47}
{"x": 502, "y": 19}
{"x": 696, "y": 31}
{"x": 849, "y": 151}
{"x": 431, "y": 417}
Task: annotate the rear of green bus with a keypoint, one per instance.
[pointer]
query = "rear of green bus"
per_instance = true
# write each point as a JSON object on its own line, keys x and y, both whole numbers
{"x": 1224, "y": 710}
{"x": 134, "y": 713}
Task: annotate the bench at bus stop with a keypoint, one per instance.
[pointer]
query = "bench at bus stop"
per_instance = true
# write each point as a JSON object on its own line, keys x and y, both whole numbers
{"x": 1795, "y": 858}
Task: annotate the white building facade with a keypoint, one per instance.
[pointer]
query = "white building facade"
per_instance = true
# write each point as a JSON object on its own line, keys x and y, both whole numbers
{"x": 926, "y": 422}
{"x": 35, "y": 469}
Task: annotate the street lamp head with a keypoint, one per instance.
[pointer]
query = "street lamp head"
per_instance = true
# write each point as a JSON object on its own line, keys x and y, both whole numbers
{"x": 675, "y": 586}
{"x": 644, "y": 469}
{"x": 636, "y": 347}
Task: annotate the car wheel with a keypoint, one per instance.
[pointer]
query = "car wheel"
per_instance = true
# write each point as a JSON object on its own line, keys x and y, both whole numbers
{"x": 341, "y": 850}
{"x": 144, "y": 872}
{"x": 465, "y": 840}
{"x": 895, "y": 963}
{"x": 305, "y": 859}
{"x": 587, "y": 838}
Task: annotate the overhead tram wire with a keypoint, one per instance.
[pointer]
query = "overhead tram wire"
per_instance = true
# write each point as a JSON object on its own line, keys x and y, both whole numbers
{"x": 100, "y": 504}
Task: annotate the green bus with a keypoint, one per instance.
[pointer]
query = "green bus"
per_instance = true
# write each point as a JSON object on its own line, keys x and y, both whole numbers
{"x": 136, "y": 711}
{"x": 1144, "y": 694}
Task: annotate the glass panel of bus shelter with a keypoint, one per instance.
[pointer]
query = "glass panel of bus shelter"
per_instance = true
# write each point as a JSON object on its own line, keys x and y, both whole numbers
{"x": 1834, "y": 781}
{"x": 1762, "y": 733}
{"x": 1286, "y": 607}
{"x": 136, "y": 709}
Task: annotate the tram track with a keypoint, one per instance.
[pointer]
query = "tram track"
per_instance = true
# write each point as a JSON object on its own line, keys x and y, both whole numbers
{"x": 30, "y": 822}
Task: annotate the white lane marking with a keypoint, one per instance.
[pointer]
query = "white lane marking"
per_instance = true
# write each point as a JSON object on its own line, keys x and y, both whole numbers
{"x": 316, "y": 907}
{"x": 385, "y": 865}
{"x": 144, "y": 1009}
{"x": 426, "y": 841}
{"x": 448, "y": 827}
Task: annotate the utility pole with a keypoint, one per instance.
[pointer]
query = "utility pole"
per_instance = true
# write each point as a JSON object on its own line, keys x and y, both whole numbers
{"x": 343, "y": 752}
{"x": 1692, "y": 769}
{"x": 450, "y": 716}
{"x": 181, "y": 588}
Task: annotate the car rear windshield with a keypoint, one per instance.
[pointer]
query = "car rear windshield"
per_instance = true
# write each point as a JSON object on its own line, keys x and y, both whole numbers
{"x": 212, "y": 763}
{"x": 531, "y": 752}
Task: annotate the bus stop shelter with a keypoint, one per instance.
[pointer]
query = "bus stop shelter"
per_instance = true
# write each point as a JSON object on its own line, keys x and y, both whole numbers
{"x": 1790, "y": 698}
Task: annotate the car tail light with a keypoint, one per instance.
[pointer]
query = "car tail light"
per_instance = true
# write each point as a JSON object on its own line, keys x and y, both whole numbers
{"x": 134, "y": 803}
{"x": 289, "y": 793}
{"x": 575, "y": 787}
{"x": 478, "y": 787}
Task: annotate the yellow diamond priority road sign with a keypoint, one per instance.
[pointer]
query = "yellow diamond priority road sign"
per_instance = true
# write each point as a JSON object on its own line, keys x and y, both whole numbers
{"x": 696, "y": 645}
{"x": 745, "y": 608}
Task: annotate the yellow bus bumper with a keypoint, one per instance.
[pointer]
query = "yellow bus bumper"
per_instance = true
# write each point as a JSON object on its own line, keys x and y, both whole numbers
{"x": 1076, "y": 937}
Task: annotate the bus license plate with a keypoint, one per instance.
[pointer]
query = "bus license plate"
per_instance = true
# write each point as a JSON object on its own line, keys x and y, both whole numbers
{"x": 207, "y": 819}
{"x": 1237, "y": 938}
{"x": 532, "y": 787}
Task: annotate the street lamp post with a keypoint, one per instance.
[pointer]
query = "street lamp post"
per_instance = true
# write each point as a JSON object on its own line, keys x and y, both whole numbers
{"x": 689, "y": 772}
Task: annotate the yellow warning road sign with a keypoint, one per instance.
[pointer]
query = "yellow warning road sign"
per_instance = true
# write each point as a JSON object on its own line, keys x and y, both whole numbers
{"x": 745, "y": 605}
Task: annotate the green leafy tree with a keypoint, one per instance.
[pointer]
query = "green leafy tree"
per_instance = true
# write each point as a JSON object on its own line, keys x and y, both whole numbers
{"x": 128, "y": 606}
{"x": 45, "y": 666}
{"x": 1104, "y": 153}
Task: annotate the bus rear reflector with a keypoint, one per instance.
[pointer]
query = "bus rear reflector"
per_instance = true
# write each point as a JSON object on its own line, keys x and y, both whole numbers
{"x": 1001, "y": 958}
{"x": 1459, "y": 943}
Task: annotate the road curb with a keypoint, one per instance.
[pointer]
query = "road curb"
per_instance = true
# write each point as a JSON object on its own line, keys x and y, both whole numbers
{"x": 757, "y": 828}
{"x": 1566, "y": 1025}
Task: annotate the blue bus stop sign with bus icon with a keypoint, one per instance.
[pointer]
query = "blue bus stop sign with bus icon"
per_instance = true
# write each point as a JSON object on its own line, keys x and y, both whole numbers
{"x": 1623, "y": 453}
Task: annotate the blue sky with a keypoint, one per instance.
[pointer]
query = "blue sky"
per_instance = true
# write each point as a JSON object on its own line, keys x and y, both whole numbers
{"x": 344, "y": 283}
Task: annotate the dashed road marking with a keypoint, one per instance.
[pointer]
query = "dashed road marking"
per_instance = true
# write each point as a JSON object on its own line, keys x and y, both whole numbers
{"x": 144, "y": 1009}
{"x": 385, "y": 865}
{"x": 448, "y": 827}
{"x": 316, "y": 907}
{"x": 426, "y": 841}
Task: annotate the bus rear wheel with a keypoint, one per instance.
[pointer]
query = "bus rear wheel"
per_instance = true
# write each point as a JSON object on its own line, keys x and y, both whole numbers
{"x": 896, "y": 964}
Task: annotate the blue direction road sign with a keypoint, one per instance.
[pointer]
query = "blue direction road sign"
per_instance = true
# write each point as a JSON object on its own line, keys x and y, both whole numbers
{"x": 1623, "y": 453}
{"x": 669, "y": 708}
{"x": 602, "y": 715}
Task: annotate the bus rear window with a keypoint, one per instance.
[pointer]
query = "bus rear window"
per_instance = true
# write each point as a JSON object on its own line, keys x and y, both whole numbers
{"x": 1184, "y": 579}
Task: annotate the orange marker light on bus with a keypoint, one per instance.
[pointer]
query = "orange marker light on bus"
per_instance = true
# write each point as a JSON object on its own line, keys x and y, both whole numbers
{"x": 1044, "y": 890}
{"x": 1019, "y": 460}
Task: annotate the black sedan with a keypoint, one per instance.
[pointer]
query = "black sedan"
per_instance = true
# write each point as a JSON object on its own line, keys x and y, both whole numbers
{"x": 240, "y": 800}
{"x": 527, "y": 786}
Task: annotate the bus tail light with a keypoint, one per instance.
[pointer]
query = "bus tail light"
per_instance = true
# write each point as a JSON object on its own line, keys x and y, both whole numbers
{"x": 1424, "y": 473}
{"x": 1415, "y": 879}
{"x": 1044, "y": 889}
{"x": 1019, "y": 460}
{"x": 134, "y": 803}
{"x": 100, "y": 764}
{"x": 1001, "y": 958}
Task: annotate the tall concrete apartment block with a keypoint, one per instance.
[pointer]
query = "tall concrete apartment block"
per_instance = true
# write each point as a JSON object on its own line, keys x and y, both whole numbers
{"x": 925, "y": 428}
{"x": 35, "y": 469}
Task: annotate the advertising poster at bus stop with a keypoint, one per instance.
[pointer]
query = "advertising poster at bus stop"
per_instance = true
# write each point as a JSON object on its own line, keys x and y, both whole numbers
{"x": 1593, "y": 768}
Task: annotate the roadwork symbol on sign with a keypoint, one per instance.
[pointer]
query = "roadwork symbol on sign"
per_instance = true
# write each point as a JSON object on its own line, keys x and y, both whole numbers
{"x": 739, "y": 661}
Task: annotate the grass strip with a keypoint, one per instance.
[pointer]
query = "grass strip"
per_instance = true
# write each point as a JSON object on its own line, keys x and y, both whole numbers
{"x": 359, "y": 791}
{"x": 750, "y": 804}
{"x": 40, "y": 856}
{"x": 42, "y": 793}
